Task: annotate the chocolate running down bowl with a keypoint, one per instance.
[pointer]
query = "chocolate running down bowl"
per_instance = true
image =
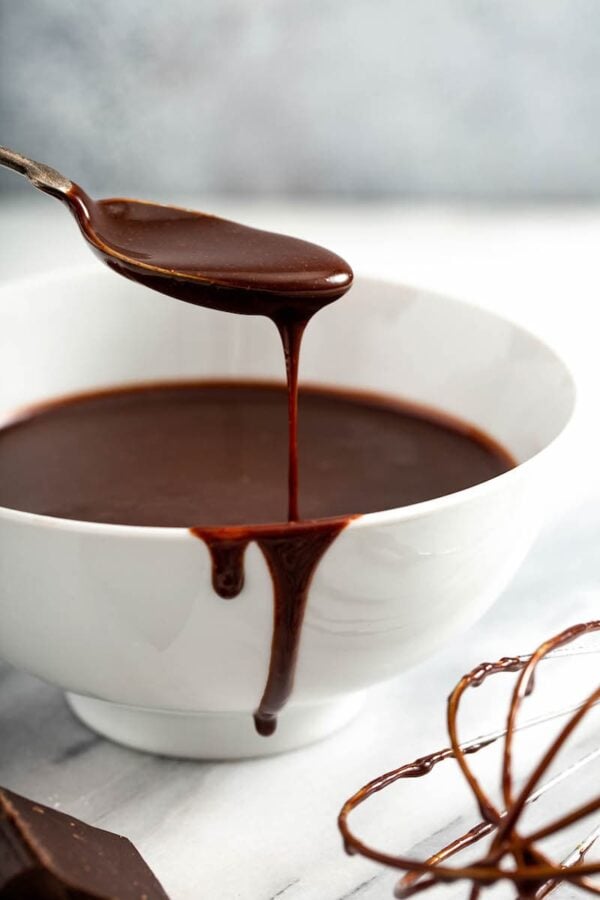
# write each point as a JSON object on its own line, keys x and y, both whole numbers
{"x": 124, "y": 618}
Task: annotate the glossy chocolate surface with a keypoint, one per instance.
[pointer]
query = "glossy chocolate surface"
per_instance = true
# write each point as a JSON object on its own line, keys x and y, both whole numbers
{"x": 210, "y": 261}
{"x": 216, "y": 454}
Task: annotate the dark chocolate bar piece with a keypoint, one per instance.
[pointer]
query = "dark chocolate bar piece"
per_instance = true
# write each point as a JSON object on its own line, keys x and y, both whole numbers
{"x": 48, "y": 855}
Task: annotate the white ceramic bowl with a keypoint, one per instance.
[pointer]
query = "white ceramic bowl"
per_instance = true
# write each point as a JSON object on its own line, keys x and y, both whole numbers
{"x": 124, "y": 618}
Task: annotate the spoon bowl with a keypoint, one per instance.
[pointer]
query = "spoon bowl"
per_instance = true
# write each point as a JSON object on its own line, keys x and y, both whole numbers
{"x": 198, "y": 257}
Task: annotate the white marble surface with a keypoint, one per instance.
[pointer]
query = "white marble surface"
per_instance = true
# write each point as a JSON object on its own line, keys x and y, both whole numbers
{"x": 266, "y": 828}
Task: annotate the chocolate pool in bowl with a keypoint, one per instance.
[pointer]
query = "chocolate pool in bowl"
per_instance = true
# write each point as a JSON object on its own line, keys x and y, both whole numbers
{"x": 110, "y": 596}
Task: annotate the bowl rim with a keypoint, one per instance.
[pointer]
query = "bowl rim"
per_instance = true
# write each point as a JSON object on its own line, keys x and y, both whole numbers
{"x": 364, "y": 520}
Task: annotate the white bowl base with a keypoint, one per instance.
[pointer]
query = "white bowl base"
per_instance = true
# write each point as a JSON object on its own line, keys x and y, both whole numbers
{"x": 211, "y": 735}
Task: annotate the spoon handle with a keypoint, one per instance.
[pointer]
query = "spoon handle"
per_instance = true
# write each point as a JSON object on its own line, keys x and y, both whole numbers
{"x": 41, "y": 176}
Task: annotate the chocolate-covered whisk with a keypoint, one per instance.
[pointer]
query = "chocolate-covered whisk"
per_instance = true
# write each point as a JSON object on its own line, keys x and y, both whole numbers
{"x": 533, "y": 873}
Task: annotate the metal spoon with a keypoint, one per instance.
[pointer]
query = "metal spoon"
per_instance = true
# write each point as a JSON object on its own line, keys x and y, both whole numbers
{"x": 195, "y": 256}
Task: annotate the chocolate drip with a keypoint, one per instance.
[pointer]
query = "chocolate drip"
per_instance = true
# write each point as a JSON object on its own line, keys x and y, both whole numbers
{"x": 292, "y": 557}
{"x": 291, "y": 332}
{"x": 292, "y": 552}
{"x": 227, "y": 557}
{"x": 534, "y": 874}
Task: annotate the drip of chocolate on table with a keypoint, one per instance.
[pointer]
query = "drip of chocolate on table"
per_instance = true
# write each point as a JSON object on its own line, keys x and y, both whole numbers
{"x": 219, "y": 264}
{"x": 534, "y": 874}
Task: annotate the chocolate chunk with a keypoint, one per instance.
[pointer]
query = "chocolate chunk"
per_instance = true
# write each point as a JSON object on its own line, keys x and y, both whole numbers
{"x": 48, "y": 855}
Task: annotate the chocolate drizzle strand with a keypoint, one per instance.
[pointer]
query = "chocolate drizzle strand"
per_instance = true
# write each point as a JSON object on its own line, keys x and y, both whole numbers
{"x": 511, "y": 855}
{"x": 292, "y": 552}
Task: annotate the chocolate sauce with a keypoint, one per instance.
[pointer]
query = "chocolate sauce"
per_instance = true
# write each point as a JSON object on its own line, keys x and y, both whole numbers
{"x": 215, "y": 453}
{"x": 213, "y": 262}
{"x": 48, "y": 855}
{"x": 210, "y": 261}
{"x": 533, "y": 873}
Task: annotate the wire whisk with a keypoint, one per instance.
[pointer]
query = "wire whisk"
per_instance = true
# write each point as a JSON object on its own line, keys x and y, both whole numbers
{"x": 510, "y": 854}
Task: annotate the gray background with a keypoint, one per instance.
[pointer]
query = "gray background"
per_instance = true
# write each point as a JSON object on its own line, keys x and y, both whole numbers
{"x": 497, "y": 99}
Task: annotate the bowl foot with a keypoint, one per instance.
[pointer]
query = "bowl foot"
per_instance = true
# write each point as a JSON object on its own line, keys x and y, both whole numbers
{"x": 211, "y": 735}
